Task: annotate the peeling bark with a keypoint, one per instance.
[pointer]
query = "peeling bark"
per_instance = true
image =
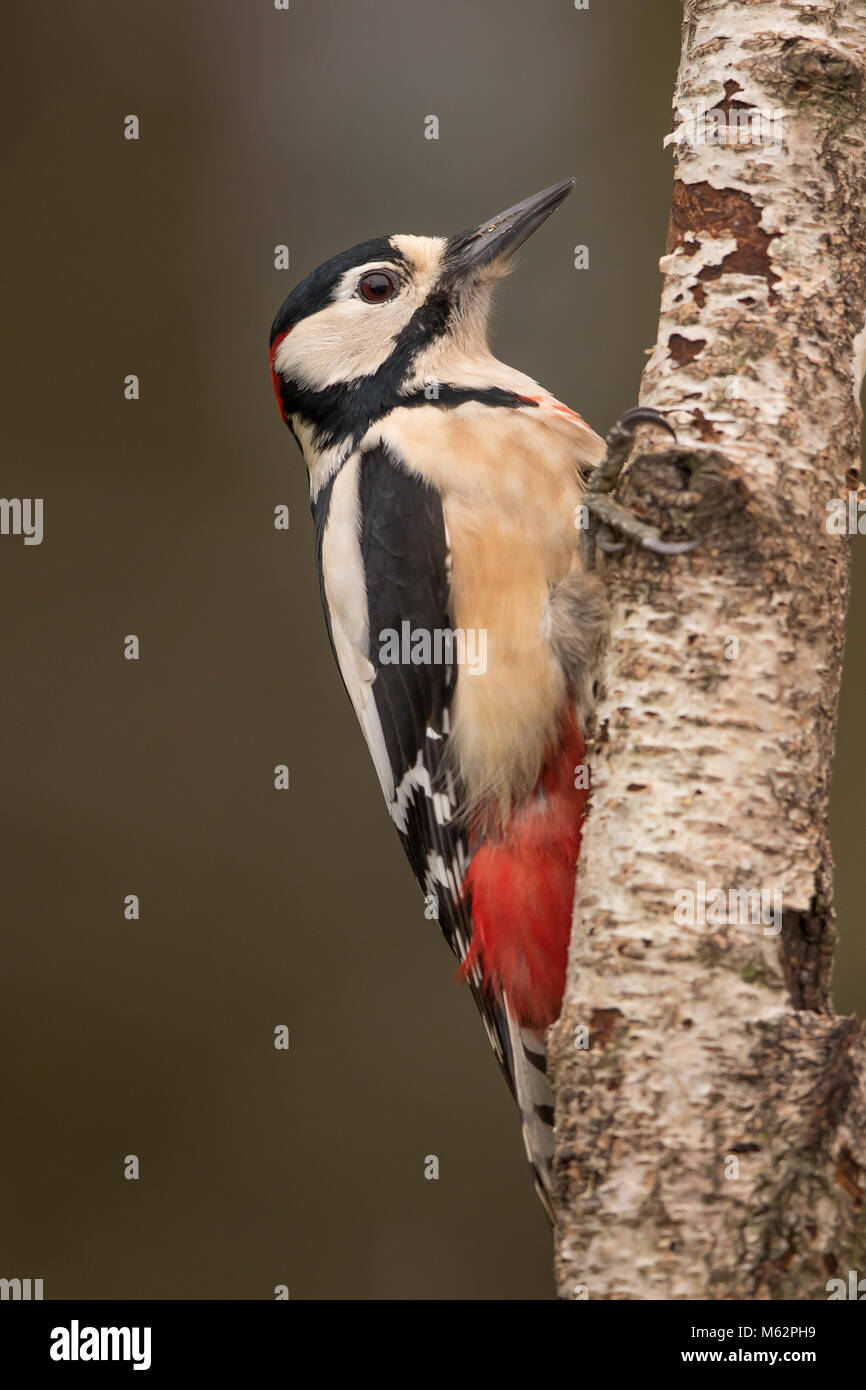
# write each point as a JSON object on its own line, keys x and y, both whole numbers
{"x": 711, "y": 1107}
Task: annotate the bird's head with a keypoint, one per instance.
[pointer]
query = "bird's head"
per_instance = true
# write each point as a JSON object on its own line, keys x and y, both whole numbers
{"x": 369, "y": 327}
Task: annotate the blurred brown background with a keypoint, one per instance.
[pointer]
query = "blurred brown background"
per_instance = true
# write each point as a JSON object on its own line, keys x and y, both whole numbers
{"x": 258, "y": 908}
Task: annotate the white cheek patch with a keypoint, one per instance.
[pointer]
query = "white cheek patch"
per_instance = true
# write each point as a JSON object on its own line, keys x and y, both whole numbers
{"x": 350, "y": 338}
{"x": 344, "y": 340}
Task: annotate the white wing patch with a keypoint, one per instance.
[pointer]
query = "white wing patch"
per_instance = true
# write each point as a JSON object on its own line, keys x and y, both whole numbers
{"x": 345, "y": 591}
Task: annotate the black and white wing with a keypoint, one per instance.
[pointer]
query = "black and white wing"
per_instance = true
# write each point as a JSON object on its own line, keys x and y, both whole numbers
{"x": 383, "y": 558}
{"x": 383, "y": 561}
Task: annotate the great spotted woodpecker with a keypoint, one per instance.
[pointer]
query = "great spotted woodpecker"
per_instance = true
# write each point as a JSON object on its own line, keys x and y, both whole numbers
{"x": 445, "y": 489}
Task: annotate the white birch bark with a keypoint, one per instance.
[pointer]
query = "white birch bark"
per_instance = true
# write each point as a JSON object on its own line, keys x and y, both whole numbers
{"x": 710, "y": 1139}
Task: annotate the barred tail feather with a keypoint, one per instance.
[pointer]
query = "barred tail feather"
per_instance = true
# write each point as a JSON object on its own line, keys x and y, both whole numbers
{"x": 527, "y": 1063}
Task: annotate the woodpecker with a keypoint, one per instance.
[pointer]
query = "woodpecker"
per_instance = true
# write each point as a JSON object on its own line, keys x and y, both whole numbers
{"x": 445, "y": 488}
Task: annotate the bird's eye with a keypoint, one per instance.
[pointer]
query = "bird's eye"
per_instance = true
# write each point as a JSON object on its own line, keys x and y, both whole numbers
{"x": 377, "y": 286}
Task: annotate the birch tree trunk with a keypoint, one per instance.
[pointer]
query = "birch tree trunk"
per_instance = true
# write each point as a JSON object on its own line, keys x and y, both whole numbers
{"x": 711, "y": 1105}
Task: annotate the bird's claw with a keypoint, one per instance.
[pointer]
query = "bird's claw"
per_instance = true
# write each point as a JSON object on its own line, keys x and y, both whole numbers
{"x": 644, "y": 415}
{"x": 607, "y": 515}
{"x": 660, "y": 547}
{"x": 604, "y": 540}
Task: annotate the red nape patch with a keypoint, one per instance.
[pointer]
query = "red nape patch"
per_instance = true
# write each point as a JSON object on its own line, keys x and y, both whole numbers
{"x": 522, "y": 888}
{"x": 275, "y": 380}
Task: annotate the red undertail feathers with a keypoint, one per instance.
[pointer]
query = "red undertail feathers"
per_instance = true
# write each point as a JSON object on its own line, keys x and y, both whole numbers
{"x": 522, "y": 889}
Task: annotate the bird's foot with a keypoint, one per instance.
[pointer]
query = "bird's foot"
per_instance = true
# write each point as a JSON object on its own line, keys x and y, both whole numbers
{"x": 604, "y": 515}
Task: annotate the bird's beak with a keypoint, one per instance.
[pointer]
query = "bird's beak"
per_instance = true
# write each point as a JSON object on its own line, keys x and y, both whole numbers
{"x": 470, "y": 252}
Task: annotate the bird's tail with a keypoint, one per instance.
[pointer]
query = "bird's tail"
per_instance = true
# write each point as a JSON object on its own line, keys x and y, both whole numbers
{"x": 522, "y": 894}
{"x": 527, "y": 1065}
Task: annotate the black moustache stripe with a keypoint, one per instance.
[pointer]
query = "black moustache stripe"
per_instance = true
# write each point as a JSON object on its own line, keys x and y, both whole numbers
{"x": 346, "y": 410}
